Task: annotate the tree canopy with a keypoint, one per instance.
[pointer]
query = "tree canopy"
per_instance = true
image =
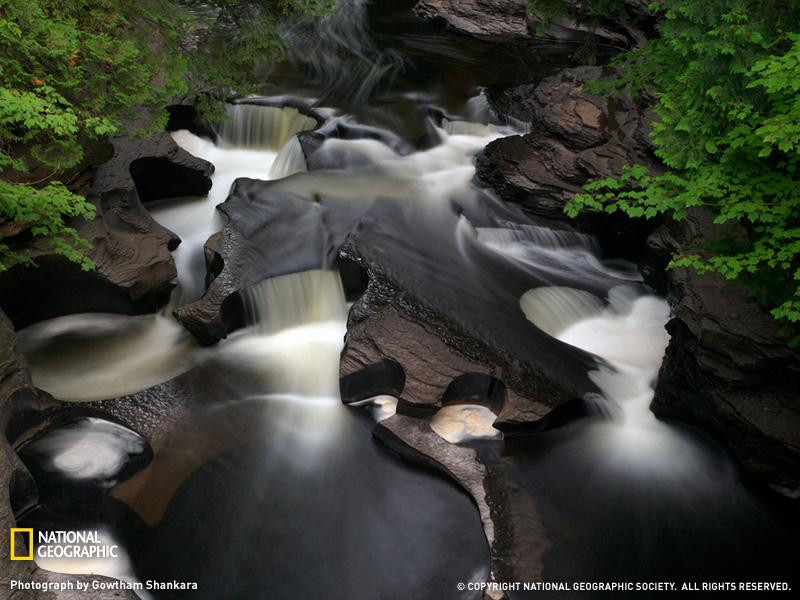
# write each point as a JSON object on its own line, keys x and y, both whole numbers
{"x": 726, "y": 79}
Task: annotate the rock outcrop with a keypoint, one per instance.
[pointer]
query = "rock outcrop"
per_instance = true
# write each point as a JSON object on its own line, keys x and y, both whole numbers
{"x": 575, "y": 138}
{"x": 134, "y": 265}
{"x": 425, "y": 330}
{"x": 513, "y": 21}
{"x": 268, "y": 232}
{"x": 499, "y": 20}
{"x": 727, "y": 368}
{"x": 516, "y": 537}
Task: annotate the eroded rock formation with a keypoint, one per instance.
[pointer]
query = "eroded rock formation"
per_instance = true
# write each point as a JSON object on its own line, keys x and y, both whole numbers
{"x": 575, "y": 138}
{"x": 727, "y": 366}
{"x": 135, "y": 269}
{"x": 422, "y": 324}
{"x": 267, "y": 233}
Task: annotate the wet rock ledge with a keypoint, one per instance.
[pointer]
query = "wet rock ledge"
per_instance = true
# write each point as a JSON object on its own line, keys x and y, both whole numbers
{"x": 135, "y": 269}
{"x": 431, "y": 334}
{"x": 727, "y": 369}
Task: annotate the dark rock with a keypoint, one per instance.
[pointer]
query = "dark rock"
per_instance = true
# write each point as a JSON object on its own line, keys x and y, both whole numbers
{"x": 576, "y": 138}
{"x": 184, "y": 116}
{"x": 727, "y": 367}
{"x": 511, "y": 522}
{"x": 134, "y": 266}
{"x": 504, "y": 21}
{"x": 268, "y": 233}
{"x": 500, "y": 20}
{"x": 424, "y": 314}
{"x": 318, "y": 158}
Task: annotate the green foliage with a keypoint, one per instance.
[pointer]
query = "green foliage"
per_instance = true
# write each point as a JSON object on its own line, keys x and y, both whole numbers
{"x": 75, "y": 71}
{"x": 726, "y": 77}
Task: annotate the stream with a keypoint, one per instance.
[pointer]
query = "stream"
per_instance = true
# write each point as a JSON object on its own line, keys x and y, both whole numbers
{"x": 268, "y": 486}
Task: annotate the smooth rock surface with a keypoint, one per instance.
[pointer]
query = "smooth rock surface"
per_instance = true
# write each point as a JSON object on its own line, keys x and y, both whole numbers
{"x": 434, "y": 324}
{"x": 134, "y": 266}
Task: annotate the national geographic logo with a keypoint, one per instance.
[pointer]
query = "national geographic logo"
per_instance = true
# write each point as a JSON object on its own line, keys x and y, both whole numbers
{"x": 58, "y": 544}
{"x": 26, "y": 531}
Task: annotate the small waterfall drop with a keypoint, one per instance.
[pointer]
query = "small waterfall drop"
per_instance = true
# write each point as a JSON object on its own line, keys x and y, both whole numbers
{"x": 628, "y": 334}
{"x": 260, "y": 127}
{"x": 553, "y": 309}
{"x": 290, "y": 160}
{"x": 295, "y": 299}
{"x": 256, "y": 142}
{"x": 296, "y": 334}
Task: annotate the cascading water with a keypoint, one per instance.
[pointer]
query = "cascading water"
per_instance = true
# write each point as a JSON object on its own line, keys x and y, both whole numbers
{"x": 263, "y": 449}
{"x": 298, "y": 327}
{"x": 259, "y": 127}
{"x": 257, "y": 142}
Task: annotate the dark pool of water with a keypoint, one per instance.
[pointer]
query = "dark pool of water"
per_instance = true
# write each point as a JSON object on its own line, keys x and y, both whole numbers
{"x": 310, "y": 507}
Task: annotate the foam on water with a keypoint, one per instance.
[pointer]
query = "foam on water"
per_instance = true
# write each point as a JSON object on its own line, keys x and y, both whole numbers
{"x": 88, "y": 448}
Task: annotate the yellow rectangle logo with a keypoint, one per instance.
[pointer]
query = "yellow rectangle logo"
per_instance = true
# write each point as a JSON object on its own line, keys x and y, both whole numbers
{"x": 29, "y": 531}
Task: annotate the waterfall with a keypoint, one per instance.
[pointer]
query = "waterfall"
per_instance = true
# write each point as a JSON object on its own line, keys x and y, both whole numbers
{"x": 260, "y": 127}
{"x": 628, "y": 334}
{"x": 290, "y": 160}
{"x": 295, "y": 299}
{"x": 553, "y": 309}
{"x": 298, "y": 326}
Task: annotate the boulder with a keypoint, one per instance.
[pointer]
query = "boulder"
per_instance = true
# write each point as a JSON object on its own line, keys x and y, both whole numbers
{"x": 268, "y": 232}
{"x": 575, "y": 138}
{"x": 437, "y": 318}
{"x": 134, "y": 266}
{"x": 727, "y": 367}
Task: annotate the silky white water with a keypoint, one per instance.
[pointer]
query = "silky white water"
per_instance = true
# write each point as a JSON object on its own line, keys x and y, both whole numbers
{"x": 256, "y": 142}
{"x": 88, "y": 449}
{"x": 87, "y": 357}
{"x": 297, "y": 327}
{"x": 114, "y": 355}
{"x": 628, "y": 334}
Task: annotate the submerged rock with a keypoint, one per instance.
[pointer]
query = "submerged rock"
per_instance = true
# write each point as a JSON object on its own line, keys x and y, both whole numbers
{"x": 575, "y": 138}
{"x": 134, "y": 265}
{"x": 727, "y": 367}
{"x": 425, "y": 324}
